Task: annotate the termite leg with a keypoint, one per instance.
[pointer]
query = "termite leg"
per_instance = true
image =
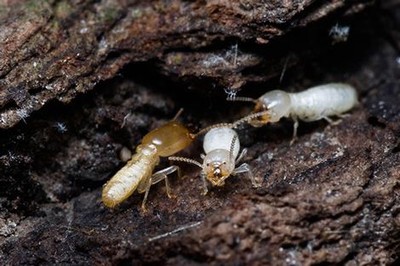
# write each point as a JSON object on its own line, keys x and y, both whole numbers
{"x": 295, "y": 126}
{"x": 157, "y": 177}
{"x": 205, "y": 188}
{"x": 343, "y": 115}
{"x": 333, "y": 122}
{"x": 245, "y": 168}
{"x": 163, "y": 174}
{"x": 241, "y": 155}
{"x": 191, "y": 161}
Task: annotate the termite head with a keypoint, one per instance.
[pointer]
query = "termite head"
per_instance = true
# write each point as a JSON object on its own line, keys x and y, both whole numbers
{"x": 169, "y": 139}
{"x": 217, "y": 166}
{"x": 278, "y": 104}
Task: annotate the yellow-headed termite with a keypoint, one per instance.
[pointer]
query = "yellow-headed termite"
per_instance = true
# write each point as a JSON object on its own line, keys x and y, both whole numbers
{"x": 137, "y": 174}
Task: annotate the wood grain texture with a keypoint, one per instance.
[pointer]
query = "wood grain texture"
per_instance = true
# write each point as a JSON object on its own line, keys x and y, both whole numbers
{"x": 330, "y": 198}
{"x": 55, "y": 50}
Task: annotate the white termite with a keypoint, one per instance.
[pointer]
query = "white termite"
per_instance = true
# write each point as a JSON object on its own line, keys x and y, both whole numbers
{"x": 221, "y": 146}
{"x": 315, "y": 103}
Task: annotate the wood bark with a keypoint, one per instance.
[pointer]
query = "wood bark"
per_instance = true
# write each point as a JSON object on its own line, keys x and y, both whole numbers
{"x": 330, "y": 198}
{"x": 54, "y": 50}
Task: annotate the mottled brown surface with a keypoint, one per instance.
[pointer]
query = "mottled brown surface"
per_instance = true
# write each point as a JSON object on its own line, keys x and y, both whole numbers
{"x": 332, "y": 197}
{"x": 54, "y": 50}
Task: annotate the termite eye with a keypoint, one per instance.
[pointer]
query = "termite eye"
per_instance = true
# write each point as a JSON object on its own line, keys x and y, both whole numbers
{"x": 224, "y": 162}
{"x": 208, "y": 164}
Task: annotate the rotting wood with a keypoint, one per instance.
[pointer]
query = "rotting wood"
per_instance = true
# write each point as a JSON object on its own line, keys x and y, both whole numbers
{"x": 58, "y": 49}
{"x": 331, "y": 198}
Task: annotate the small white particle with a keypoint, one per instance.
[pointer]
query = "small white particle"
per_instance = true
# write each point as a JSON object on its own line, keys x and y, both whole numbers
{"x": 339, "y": 33}
{"x": 61, "y": 127}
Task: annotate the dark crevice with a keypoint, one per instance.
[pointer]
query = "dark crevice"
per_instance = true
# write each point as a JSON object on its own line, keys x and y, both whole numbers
{"x": 374, "y": 121}
{"x": 396, "y": 149}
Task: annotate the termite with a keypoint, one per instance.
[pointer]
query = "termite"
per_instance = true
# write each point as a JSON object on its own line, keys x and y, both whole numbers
{"x": 315, "y": 103}
{"x": 221, "y": 146}
{"x": 164, "y": 141}
{"x": 138, "y": 174}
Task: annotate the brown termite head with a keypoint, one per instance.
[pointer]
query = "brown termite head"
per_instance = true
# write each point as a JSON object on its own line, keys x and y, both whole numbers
{"x": 169, "y": 139}
{"x": 278, "y": 105}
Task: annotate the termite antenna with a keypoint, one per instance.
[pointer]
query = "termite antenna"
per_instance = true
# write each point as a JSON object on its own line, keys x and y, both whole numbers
{"x": 177, "y": 114}
{"x": 206, "y": 129}
{"x": 250, "y": 117}
{"x": 231, "y": 155}
{"x": 284, "y": 69}
{"x": 241, "y": 99}
{"x": 186, "y": 160}
{"x": 235, "y": 124}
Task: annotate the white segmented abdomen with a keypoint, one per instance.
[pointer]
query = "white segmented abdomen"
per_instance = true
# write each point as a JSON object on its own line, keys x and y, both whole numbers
{"x": 323, "y": 101}
{"x": 126, "y": 180}
{"x": 221, "y": 138}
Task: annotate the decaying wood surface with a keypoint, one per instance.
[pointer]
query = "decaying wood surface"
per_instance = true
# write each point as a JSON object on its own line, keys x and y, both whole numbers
{"x": 53, "y": 50}
{"x": 331, "y": 197}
